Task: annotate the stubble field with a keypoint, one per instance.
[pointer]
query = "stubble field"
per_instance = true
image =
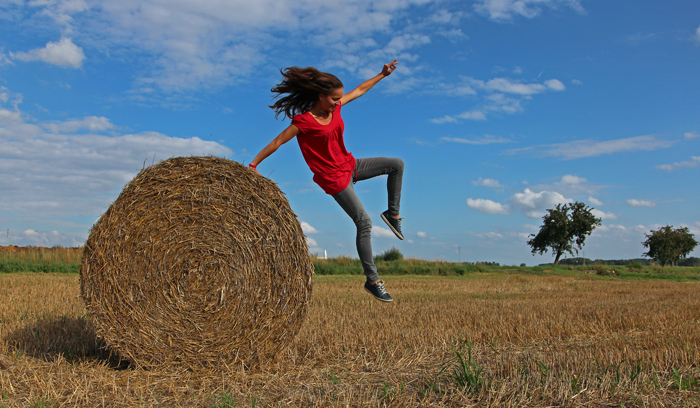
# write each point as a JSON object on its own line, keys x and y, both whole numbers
{"x": 483, "y": 339}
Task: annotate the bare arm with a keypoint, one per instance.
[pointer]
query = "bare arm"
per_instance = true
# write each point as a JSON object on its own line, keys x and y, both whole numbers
{"x": 286, "y": 135}
{"x": 368, "y": 84}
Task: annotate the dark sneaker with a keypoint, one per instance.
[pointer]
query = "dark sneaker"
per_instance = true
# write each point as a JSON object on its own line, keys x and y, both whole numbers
{"x": 377, "y": 290}
{"x": 393, "y": 223}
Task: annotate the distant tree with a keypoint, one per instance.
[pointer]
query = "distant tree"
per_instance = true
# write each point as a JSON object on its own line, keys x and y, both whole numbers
{"x": 575, "y": 261}
{"x": 691, "y": 261}
{"x": 392, "y": 254}
{"x": 667, "y": 245}
{"x": 564, "y": 226}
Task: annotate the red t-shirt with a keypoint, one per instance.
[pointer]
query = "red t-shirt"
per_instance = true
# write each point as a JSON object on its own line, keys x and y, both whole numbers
{"x": 324, "y": 150}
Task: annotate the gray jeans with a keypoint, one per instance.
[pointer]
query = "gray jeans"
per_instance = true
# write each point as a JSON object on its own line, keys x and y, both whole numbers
{"x": 365, "y": 169}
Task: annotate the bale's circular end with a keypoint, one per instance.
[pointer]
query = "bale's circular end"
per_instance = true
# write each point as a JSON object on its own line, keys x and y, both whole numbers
{"x": 200, "y": 263}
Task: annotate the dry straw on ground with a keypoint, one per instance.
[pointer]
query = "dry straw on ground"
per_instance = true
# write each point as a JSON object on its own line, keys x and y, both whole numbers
{"x": 200, "y": 263}
{"x": 574, "y": 340}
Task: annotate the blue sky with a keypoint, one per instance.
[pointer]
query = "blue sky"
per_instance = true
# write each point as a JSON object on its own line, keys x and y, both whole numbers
{"x": 499, "y": 108}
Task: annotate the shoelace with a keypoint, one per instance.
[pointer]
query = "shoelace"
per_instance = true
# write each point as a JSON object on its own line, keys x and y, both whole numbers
{"x": 380, "y": 288}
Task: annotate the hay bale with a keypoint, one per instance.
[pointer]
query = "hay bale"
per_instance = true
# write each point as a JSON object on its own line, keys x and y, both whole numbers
{"x": 200, "y": 263}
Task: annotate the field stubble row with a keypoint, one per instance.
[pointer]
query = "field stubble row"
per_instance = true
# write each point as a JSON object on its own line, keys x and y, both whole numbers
{"x": 485, "y": 339}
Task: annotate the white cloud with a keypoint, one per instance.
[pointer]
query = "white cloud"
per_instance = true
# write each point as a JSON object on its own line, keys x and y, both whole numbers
{"x": 63, "y": 53}
{"x": 695, "y": 228}
{"x": 574, "y": 180}
{"x": 61, "y": 11}
{"x": 382, "y": 232}
{"x": 499, "y": 95}
{"x": 570, "y": 185}
{"x": 639, "y": 37}
{"x": 611, "y": 227}
{"x": 691, "y": 135}
{"x": 307, "y": 228}
{"x": 691, "y": 163}
{"x": 444, "y": 16}
{"x": 487, "y": 182}
{"x": 487, "y": 206}
{"x": 422, "y": 234}
{"x": 45, "y": 238}
{"x": 594, "y": 201}
{"x": 500, "y": 103}
{"x": 640, "y": 203}
{"x": 404, "y": 42}
{"x": 533, "y": 204}
{"x": 454, "y": 34}
{"x": 4, "y": 58}
{"x": 576, "y": 82}
{"x": 457, "y": 90}
{"x": 643, "y": 229}
{"x": 51, "y": 170}
{"x": 591, "y": 148}
{"x": 603, "y": 215}
{"x": 484, "y": 140}
{"x": 311, "y": 242}
{"x": 555, "y": 85}
{"x": 524, "y": 236}
{"x": 489, "y": 235}
{"x": 507, "y": 9}
{"x": 89, "y": 123}
{"x": 697, "y": 36}
{"x": 467, "y": 115}
{"x": 506, "y": 85}
{"x": 313, "y": 247}
{"x": 187, "y": 45}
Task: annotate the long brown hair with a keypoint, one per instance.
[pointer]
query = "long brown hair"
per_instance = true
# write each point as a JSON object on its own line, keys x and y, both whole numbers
{"x": 303, "y": 85}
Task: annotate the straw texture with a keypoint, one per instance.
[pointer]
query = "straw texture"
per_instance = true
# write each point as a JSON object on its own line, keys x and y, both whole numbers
{"x": 199, "y": 263}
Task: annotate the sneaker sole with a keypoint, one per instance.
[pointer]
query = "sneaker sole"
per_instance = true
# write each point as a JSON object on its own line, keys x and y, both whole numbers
{"x": 398, "y": 235}
{"x": 380, "y": 299}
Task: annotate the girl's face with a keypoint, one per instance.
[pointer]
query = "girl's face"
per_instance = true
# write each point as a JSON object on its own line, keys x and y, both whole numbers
{"x": 328, "y": 102}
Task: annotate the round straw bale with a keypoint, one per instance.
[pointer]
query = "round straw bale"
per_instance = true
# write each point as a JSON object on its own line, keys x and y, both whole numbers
{"x": 201, "y": 263}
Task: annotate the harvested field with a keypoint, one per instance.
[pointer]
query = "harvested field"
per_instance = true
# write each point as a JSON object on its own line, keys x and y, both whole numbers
{"x": 485, "y": 339}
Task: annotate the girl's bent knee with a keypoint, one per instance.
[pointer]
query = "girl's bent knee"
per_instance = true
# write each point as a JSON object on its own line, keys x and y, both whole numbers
{"x": 363, "y": 221}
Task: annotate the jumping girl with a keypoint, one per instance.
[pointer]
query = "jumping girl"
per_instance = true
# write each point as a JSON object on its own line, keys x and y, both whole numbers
{"x": 313, "y": 101}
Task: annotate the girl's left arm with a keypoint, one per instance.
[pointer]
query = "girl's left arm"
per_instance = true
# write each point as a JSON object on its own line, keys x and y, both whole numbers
{"x": 368, "y": 84}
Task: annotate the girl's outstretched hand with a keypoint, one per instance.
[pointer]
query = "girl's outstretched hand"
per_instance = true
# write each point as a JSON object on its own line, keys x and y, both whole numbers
{"x": 389, "y": 68}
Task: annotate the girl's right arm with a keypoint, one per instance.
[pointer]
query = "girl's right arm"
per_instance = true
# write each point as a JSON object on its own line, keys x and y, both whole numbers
{"x": 286, "y": 135}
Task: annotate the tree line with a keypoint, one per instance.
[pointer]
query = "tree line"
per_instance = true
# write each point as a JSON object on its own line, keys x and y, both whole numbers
{"x": 566, "y": 227}
{"x": 578, "y": 261}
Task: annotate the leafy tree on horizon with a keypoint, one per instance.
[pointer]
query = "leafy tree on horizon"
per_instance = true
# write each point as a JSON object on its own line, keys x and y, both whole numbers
{"x": 392, "y": 254}
{"x": 669, "y": 245}
{"x": 564, "y": 226}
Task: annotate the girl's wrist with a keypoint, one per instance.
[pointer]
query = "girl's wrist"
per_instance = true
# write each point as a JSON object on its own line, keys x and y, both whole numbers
{"x": 252, "y": 165}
